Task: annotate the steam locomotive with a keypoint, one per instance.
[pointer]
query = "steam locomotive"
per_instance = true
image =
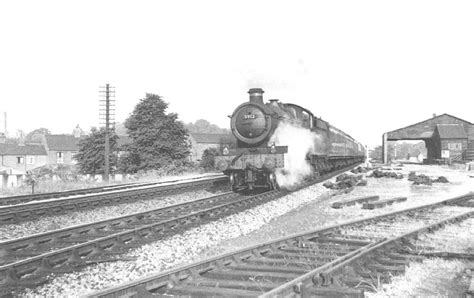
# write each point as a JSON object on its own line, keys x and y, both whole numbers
{"x": 256, "y": 158}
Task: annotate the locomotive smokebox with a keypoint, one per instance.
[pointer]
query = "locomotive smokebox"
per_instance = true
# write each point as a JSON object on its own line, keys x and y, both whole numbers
{"x": 256, "y": 95}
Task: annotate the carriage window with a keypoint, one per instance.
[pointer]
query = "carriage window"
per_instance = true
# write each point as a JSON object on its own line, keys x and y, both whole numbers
{"x": 293, "y": 111}
{"x": 305, "y": 117}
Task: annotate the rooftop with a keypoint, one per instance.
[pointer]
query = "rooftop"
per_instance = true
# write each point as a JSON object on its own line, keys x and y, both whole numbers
{"x": 62, "y": 142}
{"x": 451, "y": 131}
{"x": 212, "y": 138}
{"x": 27, "y": 149}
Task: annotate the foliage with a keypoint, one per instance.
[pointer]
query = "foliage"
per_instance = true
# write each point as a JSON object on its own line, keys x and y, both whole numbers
{"x": 31, "y": 178}
{"x": 204, "y": 126}
{"x": 91, "y": 155}
{"x": 208, "y": 158}
{"x": 158, "y": 139}
{"x": 401, "y": 150}
{"x": 120, "y": 129}
{"x": 63, "y": 172}
{"x": 37, "y": 134}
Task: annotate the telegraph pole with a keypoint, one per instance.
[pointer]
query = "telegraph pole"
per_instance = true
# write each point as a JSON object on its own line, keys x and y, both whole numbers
{"x": 107, "y": 117}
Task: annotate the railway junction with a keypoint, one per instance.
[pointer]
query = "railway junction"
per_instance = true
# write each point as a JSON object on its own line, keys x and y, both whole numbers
{"x": 312, "y": 240}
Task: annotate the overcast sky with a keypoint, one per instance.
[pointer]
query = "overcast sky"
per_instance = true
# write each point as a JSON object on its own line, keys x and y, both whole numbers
{"x": 365, "y": 66}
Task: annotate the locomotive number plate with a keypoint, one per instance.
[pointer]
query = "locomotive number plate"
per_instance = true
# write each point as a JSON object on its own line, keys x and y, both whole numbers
{"x": 250, "y": 116}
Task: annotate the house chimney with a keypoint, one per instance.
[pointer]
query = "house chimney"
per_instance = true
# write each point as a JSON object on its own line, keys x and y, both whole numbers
{"x": 21, "y": 137}
{"x": 256, "y": 95}
{"x": 77, "y": 132}
{"x": 434, "y": 115}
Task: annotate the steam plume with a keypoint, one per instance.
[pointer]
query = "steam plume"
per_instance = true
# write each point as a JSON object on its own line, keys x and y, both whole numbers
{"x": 300, "y": 142}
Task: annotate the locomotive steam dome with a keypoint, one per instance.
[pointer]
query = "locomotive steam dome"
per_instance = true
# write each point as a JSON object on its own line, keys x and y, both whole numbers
{"x": 250, "y": 124}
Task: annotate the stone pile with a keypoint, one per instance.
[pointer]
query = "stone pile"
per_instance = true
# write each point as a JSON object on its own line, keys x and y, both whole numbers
{"x": 381, "y": 174}
{"x": 346, "y": 182}
{"x": 360, "y": 169}
{"x": 422, "y": 179}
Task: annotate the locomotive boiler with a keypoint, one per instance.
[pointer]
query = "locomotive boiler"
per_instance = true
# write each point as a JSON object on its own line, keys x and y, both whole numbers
{"x": 256, "y": 158}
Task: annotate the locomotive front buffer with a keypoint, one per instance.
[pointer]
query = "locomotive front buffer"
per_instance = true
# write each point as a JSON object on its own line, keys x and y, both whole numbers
{"x": 250, "y": 168}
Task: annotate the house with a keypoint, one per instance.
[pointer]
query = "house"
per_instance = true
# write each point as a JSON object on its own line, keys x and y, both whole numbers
{"x": 202, "y": 141}
{"x": 61, "y": 148}
{"x": 17, "y": 159}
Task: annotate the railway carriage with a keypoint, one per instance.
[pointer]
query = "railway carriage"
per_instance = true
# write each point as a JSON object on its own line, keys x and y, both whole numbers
{"x": 255, "y": 158}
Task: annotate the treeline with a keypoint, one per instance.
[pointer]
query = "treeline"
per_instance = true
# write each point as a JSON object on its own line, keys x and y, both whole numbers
{"x": 158, "y": 141}
{"x": 399, "y": 151}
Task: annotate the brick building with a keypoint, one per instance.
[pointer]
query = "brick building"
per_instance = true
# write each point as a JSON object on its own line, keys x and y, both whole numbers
{"x": 61, "y": 148}
{"x": 202, "y": 141}
{"x": 17, "y": 159}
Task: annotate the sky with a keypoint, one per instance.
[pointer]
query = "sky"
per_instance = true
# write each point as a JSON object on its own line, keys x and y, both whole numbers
{"x": 367, "y": 67}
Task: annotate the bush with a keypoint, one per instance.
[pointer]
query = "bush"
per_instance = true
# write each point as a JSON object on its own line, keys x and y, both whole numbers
{"x": 208, "y": 159}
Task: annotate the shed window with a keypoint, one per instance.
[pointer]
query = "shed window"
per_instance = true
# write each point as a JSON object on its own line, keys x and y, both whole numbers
{"x": 455, "y": 146}
{"x": 20, "y": 160}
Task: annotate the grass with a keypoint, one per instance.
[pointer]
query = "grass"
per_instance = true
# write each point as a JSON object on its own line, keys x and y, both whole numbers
{"x": 431, "y": 278}
{"x": 374, "y": 284}
{"x": 49, "y": 185}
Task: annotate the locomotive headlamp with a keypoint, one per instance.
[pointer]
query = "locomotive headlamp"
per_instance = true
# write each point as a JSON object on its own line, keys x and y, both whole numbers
{"x": 225, "y": 151}
{"x": 272, "y": 148}
{"x": 222, "y": 165}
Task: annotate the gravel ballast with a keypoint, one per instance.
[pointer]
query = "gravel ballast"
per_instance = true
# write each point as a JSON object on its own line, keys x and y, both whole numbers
{"x": 54, "y": 222}
{"x": 301, "y": 211}
{"x": 175, "y": 250}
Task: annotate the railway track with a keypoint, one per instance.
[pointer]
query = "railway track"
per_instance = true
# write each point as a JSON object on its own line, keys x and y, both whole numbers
{"x": 16, "y": 213}
{"x": 21, "y": 199}
{"x": 25, "y": 261}
{"x": 328, "y": 262}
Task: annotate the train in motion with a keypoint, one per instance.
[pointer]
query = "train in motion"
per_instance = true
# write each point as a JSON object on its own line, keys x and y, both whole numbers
{"x": 256, "y": 158}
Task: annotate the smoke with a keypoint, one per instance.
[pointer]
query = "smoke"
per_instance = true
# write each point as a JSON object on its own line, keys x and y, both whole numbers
{"x": 300, "y": 142}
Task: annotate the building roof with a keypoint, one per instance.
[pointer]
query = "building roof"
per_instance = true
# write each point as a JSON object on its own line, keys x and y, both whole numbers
{"x": 28, "y": 149}
{"x": 424, "y": 130}
{"x": 212, "y": 138}
{"x": 451, "y": 131}
{"x": 62, "y": 142}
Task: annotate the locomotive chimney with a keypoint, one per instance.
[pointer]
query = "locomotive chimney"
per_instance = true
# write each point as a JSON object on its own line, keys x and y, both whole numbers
{"x": 256, "y": 95}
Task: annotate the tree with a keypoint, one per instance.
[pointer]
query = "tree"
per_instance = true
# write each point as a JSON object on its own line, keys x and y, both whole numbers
{"x": 91, "y": 155}
{"x": 37, "y": 135}
{"x": 204, "y": 126}
{"x": 158, "y": 139}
